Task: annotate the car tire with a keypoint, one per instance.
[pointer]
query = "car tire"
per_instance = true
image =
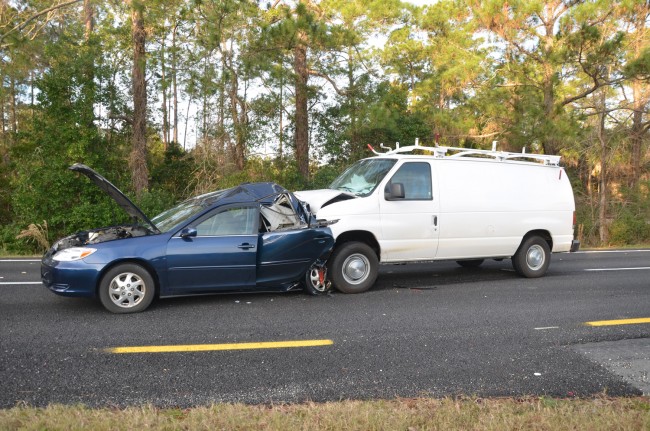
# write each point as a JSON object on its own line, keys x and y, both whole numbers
{"x": 353, "y": 267}
{"x": 473, "y": 263}
{"x": 126, "y": 288}
{"x": 313, "y": 284}
{"x": 532, "y": 257}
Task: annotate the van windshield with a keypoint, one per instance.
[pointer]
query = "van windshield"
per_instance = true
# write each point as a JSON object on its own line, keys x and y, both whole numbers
{"x": 363, "y": 177}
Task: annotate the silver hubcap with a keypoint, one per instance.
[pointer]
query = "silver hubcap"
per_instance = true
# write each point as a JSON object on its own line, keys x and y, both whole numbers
{"x": 314, "y": 279}
{"x": 126, "y": 290}
{"x": 535, "y": 257}
{"x": 356, "y": 268}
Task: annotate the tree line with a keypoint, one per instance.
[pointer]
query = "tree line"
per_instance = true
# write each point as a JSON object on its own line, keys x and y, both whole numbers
{"x": 170, "y": 98}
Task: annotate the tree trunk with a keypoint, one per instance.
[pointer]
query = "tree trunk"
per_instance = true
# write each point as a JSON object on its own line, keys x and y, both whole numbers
{"x": 89, "y": 19}
{"x": 89, "y": 65}
{"x": 204, "y": 110}
{"x": 138, "y": 160}
{"x": 637, "y": 131}
{"x": 352, "y": 94}
{"x": 237, "y": 111}
{"x": 640, "y": 93}
{"x": 280, "y": 144}
{"x": 603, "y": 230}
{"x": 302, "y": 117}
{"x": 549, "y": 142}
{"x": 13, "y": 121}
{"x": 174, "y": 87}
{"x": 163, "y": 87}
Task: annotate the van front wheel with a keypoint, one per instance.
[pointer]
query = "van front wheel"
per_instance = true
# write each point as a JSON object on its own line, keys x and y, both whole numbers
{"x": 532, "y": 258}
{"x": 353, "y": 267}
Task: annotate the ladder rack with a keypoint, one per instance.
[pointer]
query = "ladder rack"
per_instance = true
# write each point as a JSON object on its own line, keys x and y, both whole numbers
{"x": 458, "y": 152}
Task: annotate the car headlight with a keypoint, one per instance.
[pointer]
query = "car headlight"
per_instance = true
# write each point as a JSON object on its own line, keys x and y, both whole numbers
{"x": 73, "y": 253}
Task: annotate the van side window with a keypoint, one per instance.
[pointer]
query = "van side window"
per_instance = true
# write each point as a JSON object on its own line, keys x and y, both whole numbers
{"x": 416, "y": 179}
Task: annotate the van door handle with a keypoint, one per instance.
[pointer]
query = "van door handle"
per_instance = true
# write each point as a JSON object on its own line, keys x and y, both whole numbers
{"x": 435, "y": 220}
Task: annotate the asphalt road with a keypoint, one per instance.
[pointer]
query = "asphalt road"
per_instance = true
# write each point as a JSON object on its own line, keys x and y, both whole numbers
{"x": 430, "y": 329}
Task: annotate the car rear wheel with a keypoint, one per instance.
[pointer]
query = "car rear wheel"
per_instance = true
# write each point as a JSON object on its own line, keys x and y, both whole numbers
{"x": 532, "y": 258}
{"x": 126, "y": 288}
{"x": 316, "y": 282}
{"x": 353, "y": 267}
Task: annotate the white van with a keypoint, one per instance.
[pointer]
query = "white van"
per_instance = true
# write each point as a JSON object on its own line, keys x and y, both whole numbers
{"x": 445, "y": 204}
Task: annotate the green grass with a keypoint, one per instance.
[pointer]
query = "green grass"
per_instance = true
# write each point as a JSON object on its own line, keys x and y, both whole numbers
{"x": 402, "y": 414}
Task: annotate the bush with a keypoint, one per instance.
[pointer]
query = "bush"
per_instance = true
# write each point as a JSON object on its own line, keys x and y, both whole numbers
{"x": 629, "y": 228}
{"x": 10, "y": 245}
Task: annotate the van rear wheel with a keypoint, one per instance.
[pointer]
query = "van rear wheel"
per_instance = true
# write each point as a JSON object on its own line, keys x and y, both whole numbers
{"x": 532, "y": 257}
{"x": 353, "y": 267}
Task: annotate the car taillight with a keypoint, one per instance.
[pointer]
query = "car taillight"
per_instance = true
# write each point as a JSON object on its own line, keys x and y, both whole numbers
{"x": 574, "y": 219}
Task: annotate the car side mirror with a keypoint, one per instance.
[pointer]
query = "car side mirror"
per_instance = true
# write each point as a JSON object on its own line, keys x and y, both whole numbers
{"x": 394, "y": 191}
{"x": 188, "y": 232}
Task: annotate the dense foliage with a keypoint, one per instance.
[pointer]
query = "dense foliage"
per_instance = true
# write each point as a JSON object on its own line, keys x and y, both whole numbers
{"x": 293, "y": 91}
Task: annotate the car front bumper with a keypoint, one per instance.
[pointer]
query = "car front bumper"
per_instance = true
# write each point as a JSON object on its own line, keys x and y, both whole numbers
{"x": 76, "y": 278}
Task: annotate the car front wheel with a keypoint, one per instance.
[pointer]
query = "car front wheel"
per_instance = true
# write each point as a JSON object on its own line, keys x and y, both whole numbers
{"x": 126, "y": 288}
{"x": 353, "y": 267}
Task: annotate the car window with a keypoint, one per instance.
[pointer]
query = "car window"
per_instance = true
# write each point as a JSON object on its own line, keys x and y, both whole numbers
{"x": 232, "y": 221}
{"x": 416, "y": 178}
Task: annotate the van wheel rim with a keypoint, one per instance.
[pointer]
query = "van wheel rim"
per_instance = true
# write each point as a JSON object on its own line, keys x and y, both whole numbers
{"x": 535, "y": 257}
{"x": 356, "y": 268}
{"x": 126, "y": 290}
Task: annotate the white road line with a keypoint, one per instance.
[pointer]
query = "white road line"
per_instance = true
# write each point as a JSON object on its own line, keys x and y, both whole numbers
{"x": 547, "y": 327}
{"x": 617, "y": 269}
{"x": 10, "y": 283}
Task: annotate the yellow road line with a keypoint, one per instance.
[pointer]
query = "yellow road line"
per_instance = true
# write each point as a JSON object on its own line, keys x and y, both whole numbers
{"x": 212, "y": 347}
{"x": 619, "y": 322}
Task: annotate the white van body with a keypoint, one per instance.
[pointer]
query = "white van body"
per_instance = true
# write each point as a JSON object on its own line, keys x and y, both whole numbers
{"x": 466, "y": 206}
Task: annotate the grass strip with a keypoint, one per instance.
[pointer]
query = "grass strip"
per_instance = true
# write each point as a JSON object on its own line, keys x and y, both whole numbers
{"x": 601, "y": 413}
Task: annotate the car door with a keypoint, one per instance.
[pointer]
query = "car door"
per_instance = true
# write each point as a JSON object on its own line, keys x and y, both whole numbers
{"x": 216, "y": 252}
{"x": 285, "y": 256}
{"x": 409, "y": 223}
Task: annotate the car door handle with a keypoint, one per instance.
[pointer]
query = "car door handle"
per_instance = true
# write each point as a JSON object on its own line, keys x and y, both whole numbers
{"x": 245, "y": 246}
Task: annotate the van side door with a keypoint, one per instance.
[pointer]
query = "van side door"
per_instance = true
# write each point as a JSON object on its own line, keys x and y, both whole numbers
{"x": 409, "y": 208}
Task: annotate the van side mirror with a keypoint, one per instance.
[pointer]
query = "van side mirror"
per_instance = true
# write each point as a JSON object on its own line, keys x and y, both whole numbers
{"x": 394, "y": 191}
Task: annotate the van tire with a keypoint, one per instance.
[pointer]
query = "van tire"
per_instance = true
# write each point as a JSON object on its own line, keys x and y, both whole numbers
{"x": 353, "y": 267}
{"x": 532, "y": 257}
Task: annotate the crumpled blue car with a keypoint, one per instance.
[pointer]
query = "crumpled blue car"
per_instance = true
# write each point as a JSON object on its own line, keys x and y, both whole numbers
{"x": 253, "y": 237}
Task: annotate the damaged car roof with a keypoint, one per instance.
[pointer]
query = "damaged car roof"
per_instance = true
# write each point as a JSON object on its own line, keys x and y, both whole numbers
{"x": 264, "y": 193}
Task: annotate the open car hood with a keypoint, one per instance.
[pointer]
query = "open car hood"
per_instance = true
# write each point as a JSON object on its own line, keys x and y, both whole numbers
{"x": 318, "y": 199}
{"x": 115, "y": 193}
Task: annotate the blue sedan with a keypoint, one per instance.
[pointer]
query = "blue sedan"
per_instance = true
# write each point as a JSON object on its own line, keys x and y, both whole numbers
{"x": 253, "y": 237}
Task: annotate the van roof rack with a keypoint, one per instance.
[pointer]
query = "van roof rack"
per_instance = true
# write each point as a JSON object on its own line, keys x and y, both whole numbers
{"x": 458, "y": 152}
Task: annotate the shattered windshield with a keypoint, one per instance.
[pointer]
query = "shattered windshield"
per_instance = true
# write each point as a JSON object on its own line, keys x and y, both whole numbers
{"x": 361, "y": 178}
{"x": 180, "y": 213}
